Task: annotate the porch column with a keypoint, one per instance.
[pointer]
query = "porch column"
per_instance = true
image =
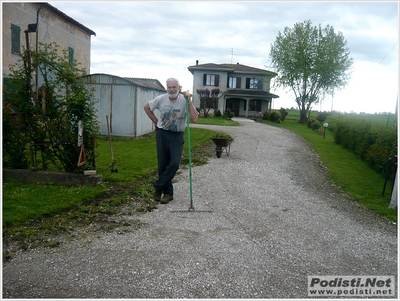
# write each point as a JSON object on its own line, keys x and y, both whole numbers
{"x": 247, "y": 108}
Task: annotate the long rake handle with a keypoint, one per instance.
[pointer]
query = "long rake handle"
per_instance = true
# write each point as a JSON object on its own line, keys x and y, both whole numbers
{"x": 189, "y": 154}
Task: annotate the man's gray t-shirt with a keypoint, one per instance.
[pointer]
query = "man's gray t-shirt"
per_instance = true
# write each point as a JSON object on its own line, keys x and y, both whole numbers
{"x": 173, "y": 113}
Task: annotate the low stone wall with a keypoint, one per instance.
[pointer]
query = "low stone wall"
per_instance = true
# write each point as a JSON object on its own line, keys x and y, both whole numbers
{"x": 46, "y": 177}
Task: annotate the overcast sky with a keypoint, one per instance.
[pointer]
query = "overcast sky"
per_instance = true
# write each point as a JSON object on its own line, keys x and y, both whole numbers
{"x": 160, "y": 39}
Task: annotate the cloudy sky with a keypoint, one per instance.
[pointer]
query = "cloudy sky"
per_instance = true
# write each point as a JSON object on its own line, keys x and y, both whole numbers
{"x": 160, "y": 39}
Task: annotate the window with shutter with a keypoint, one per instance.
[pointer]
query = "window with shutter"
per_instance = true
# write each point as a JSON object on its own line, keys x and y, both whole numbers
{"x": 253, "y": 83}
{"x": 211, "y": 80}
{"x": 71, "y": 56}
{"x": 15, "y": 39}
{"x": 234, "y": 82}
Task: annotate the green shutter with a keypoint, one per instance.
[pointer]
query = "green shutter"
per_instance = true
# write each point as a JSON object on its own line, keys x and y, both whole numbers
{"x": 15, "y": 39}
{"x": 71, "y": 56}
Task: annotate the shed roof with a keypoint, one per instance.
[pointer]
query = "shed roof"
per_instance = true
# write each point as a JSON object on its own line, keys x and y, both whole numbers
{"x": 147, "y": 82}
{"x": 141, "y": 82}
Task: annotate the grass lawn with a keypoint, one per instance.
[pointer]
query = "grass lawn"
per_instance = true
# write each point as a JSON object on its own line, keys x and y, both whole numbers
{"x": 211, "y": 120}
{"x": 23, "y": 202}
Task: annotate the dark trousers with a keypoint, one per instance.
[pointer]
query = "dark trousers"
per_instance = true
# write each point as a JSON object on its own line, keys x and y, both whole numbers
{"x": 169, "y": 153}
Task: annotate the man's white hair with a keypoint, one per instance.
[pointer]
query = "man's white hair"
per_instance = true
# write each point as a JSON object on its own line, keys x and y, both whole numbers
{"x": 172, "y": 79}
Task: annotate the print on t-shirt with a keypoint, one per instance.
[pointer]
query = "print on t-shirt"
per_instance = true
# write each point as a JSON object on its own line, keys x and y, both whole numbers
{"x": 169, "y": 118}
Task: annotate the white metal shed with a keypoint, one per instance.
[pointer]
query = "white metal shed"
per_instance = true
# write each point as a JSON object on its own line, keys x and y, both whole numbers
{"x": 122, "y": 100}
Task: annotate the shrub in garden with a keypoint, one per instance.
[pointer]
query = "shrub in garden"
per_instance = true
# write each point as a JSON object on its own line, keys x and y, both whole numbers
{"x": 229, "y": 114}
{"x": 356, "y": 135}
{"x": 217, "y": 113}
{"x": 316, "y": 125}
{"x": 310, "y": 122}
{"x": 322, "y": 116}
{"x": 384, "y": 146}
{"x": 283, "y": 113}
{"x": 275, "y": 116}
{"x": 266, "y": 115}
{"x": 372, "y": 142}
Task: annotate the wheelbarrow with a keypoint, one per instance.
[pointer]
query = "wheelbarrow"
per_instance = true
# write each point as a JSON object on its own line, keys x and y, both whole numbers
{"x": 222, "y": 144}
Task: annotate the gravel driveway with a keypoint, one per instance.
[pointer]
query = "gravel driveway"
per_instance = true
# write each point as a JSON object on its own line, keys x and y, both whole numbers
{"x": 276, "y": 218}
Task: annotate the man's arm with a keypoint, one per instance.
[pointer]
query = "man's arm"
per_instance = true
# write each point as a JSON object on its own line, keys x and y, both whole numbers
{"x": 151, "y": 114}
{"x": 193, "y": 114}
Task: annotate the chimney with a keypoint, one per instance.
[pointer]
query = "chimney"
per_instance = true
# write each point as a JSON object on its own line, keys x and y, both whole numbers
{"x": 197, "y": 62}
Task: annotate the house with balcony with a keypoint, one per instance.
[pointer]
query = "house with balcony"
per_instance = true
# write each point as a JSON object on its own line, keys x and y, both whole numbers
{"x": 243, "y": 89}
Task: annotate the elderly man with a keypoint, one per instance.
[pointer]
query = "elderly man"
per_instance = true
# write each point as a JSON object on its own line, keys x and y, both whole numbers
{"x": 169, "y": 135}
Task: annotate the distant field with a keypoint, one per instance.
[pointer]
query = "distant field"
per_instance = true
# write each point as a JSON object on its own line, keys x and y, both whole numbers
{"x": 383, "y": 119}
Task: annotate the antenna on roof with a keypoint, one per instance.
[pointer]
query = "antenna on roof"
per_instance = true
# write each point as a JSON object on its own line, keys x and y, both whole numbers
{"x": 232, "y": 54}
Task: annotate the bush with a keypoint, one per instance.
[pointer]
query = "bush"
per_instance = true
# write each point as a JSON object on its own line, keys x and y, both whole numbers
{"x": 372, "y": 142}
{"x": 316, "y": 125}
{"x": 229, "y": 114}
{"x": 275, "y": 116}
{"x": 310, "y": 122}
{"x": 322, "y": 117}
{"x": 217, "y": 113}
{"x": 266, "y": 116}
{"x": 283, "y": 113}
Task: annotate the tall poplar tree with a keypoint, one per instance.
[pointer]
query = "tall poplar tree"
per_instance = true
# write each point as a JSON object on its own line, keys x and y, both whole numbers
{"x": 311, "y": 61}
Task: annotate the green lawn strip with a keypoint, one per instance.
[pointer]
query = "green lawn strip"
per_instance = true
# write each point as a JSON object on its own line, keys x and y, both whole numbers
{"x": 212, "y": 120}
{"x": 23, "y": 202}
{"x": 349, "y": 172}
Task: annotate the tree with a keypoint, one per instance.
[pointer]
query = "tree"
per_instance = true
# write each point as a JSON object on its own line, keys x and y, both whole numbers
{"x": 47, "y": 117}
{"x": 311, "y": 61}
{"x": 208, "y": 99}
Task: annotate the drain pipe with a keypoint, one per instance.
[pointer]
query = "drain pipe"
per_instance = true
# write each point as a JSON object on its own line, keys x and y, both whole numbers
{"x": 37, "y": 42}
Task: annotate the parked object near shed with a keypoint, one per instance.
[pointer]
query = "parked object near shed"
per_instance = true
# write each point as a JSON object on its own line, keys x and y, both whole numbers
{"x": 122, "y": 100}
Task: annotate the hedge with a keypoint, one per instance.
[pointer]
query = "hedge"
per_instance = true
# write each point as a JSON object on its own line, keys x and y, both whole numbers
{"x": 371, "y": 141}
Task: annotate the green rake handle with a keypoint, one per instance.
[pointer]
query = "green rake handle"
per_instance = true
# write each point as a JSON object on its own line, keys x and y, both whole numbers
{"x": 189, "y": 154}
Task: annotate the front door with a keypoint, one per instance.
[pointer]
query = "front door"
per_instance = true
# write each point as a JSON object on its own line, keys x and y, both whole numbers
{"x": 233, "y": 104}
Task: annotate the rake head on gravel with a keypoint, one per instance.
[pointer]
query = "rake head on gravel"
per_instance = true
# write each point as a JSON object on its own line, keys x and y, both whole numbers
{"x": 191, "y": 207}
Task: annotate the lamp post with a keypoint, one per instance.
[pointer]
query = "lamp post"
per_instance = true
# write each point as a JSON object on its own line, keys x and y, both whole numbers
{"x": 325, "y": 126}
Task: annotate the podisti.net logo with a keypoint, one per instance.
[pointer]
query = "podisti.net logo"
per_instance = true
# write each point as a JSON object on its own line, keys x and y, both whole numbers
{"x": 351, "y": 286}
